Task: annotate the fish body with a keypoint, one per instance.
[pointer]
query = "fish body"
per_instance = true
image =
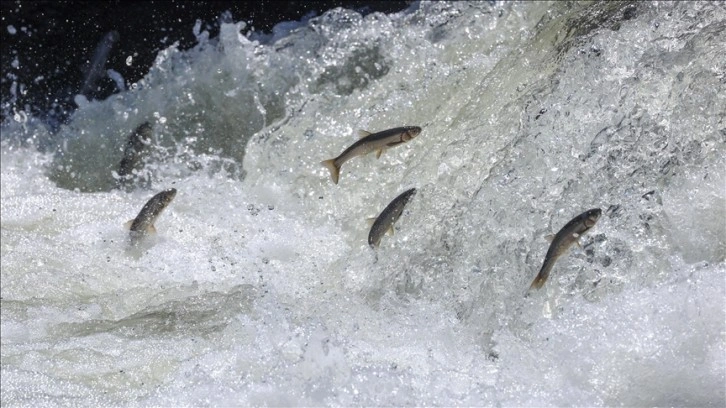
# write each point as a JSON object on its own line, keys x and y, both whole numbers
{"x": 388, "y": 217}
{"x": 132, "y": 152}
{"x": 371, "y": 142}
{"x": 563, "y": 240}
{"x": 144, "y": 222}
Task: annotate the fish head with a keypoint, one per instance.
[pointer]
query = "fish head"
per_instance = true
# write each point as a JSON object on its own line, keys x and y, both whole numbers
{"x": 145, "y": 130}
{"x": 410, "y": 133}
{"x": 168, "y": 195}
{"x": 591, "y": 217}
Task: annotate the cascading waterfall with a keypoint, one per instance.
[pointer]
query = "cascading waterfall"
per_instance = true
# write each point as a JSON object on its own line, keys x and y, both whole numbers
{"x": 260, "y": 287}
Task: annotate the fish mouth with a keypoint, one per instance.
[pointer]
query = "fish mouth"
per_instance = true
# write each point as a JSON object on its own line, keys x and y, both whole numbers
{"x": 411, "y": 133}
{"x": 169, "y": 195}
{"x": 592, "y": 217}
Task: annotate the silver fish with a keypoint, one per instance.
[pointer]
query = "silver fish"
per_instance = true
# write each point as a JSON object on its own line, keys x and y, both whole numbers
{"x": 371, "y": 142}
{"x": 388, "y": 217}
{"x": 132, "y": 152}
{"x": 144, "y": 222}
{"x": 568, "y": 235}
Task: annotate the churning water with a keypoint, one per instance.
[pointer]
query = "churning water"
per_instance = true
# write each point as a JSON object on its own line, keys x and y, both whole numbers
{"x": 259, "y": 287}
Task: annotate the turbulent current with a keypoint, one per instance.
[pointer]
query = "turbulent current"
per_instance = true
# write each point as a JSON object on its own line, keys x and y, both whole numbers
{"x": 260, "y": 288}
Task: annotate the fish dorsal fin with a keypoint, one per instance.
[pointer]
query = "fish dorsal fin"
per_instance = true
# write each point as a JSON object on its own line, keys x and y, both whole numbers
{"x": 363, "y": 133}
{"x": 128, "y": 223}
{"x": 549, "y": 237}
{"x": 151, "y": 229}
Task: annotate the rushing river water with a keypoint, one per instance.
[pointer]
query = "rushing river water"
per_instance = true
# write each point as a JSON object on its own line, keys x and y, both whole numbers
{"x": 259, "y": 287}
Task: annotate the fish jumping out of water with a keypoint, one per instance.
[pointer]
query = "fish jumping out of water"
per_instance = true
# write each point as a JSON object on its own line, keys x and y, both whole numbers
{"x": 371, "y": 142}
{"x": 568, "y": 235}
{"x": 132, "y": 152}
{"x": 143, "y": 224}
{"x": 388, "y": 217}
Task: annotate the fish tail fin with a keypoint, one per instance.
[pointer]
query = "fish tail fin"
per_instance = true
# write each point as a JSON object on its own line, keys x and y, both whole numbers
{"x": 334, "y": 170}
{"x": 538, "y": 282}
{"x": 135, "y": 237}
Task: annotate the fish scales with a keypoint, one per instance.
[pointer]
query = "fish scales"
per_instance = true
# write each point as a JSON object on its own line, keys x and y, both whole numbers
{"x": 379, "y": 142}
{"x": 563, "y": 240}
{"x": 144, "y": 222}
{"x": 388, "y": 217}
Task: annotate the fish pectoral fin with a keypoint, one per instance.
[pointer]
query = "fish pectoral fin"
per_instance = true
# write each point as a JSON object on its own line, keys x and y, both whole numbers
{"x": 363, "y": 133}
{"x": 577, "y": 239}
{"x": 371, "y": 221}
{"x": 389, "y": 231}
{"x": 151, "y": 229}
{"x": 549, "y": 237}
{"x": 128, "y": 223}
{"x": 379, "y": 152}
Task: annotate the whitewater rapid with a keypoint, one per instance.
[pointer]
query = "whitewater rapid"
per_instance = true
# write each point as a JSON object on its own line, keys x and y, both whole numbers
{"x": 259, "y": 287}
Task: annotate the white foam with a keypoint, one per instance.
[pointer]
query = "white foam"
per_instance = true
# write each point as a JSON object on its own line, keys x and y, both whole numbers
{"x": 259, "y": 287}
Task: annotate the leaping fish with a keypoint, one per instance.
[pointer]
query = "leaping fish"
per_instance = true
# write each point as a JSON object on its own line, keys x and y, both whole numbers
{"x": 133, "y": 151}
{"x": 371, "y": 142}
{"x": 568, "y": 235}
{"x": 143, "y": 224}
{"x": 388, "y": 217}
